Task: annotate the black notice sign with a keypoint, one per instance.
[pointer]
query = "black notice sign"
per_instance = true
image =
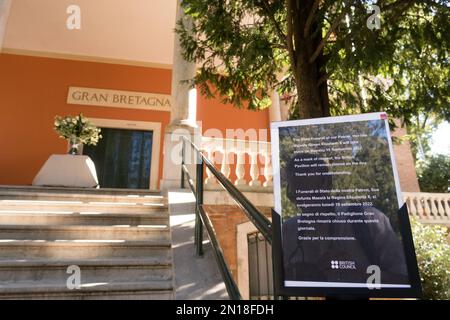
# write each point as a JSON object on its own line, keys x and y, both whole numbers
{"x": 337, "y": 194}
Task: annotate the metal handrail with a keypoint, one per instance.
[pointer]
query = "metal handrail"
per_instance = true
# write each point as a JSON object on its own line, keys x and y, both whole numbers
{"x": 230, "y": 284}
{"x": 261, "y": 222}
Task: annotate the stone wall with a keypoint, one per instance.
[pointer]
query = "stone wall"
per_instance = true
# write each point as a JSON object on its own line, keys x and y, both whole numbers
{"x": 405, "y": 163}
{"x": 225, "y": 219}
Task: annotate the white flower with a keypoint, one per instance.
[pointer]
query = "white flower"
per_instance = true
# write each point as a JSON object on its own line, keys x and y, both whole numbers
{"x": 69, "y": 128}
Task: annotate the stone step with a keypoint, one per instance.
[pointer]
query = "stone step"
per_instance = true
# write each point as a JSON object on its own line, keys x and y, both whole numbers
{"x": 86, "y": 197}
{"x": 79, "y": 207}
{"x": 101, "y": 291}
{"x": 95, "y": 270}
{"x": 82, "y": 249}
{"x": 108, "y": 192}
{"x": 52, "y": 232}
{"x": 23, "y": 217}
{"x": 120, "y": 240}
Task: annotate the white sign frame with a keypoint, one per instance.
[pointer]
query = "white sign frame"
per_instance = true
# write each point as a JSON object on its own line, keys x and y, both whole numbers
{"x": 411, "y": 289}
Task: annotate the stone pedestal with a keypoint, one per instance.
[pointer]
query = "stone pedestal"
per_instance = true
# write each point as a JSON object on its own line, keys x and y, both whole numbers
{"x": 65, "y": 170}
{"x": 173, "y": 154}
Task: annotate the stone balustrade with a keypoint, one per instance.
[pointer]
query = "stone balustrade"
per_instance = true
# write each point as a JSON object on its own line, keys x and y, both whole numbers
{"x": 426, "y": 207}
{"x": 222, "y": 153}
{"x": 429, "y": 207}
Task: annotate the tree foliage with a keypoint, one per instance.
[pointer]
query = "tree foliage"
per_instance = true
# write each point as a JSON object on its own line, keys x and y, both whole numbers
{"x": 434, "y": 176}
{"x": 420, "y": 132}
{"x": 321, "y": 55}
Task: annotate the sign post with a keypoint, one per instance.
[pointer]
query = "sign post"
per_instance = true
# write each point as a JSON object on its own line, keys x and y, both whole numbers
{"x": 342, "y": 226}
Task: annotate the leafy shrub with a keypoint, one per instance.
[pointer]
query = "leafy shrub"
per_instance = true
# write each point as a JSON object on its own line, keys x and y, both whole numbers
{"x": 433, "y": 257}
{"x": 434, "y": 174}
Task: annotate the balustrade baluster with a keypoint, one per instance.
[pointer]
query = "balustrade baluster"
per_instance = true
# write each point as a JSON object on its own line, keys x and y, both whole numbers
{"x": 419, "y": 207}
{"x": 268, "y": 172}
{"x": 210, "y": 179}
{"x": 440, "y": 208}
{"x": 434, "y": 209}
{"x": 240, "y": 168}
{"x": 225, "y": 168}
{"x": 254, "y": 170}
{"x": 426, "y": 207}
{"x": 447, "y": 206}
{"x": 411, "y": 205}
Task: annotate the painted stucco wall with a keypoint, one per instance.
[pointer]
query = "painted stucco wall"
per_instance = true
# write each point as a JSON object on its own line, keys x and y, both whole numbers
{"x": 33, "y": 90}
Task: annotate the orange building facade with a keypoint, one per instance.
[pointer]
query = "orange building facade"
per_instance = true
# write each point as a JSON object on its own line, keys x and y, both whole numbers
{"x": 41, "y": 58}
{"x": 33, "y": 90}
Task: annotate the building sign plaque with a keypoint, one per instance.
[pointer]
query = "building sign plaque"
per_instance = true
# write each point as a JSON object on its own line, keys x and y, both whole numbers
{"x": 119, "y": 99}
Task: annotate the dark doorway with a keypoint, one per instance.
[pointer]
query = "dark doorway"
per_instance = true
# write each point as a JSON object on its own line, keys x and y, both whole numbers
{"x": 122, "y": 158}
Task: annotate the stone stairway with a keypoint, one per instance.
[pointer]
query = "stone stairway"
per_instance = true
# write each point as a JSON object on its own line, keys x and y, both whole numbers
{"x": 120, "y": 240}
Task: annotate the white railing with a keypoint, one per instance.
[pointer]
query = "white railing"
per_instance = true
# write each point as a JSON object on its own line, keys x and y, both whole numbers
{"x": 426, "y": 207}
{"x": 222, "y": 152}
{"x": 429, "y": 207}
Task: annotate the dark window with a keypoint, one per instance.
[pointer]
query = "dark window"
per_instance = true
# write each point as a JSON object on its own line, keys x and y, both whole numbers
{"x": 122, "y": 158}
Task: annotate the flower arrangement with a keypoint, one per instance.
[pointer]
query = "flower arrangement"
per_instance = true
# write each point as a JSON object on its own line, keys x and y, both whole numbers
{"x": 78, "y": 130}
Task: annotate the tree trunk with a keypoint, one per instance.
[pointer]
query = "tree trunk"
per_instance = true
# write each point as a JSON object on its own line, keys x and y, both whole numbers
{"x": 312, "y": 100}
{"x": 310, "y": 76}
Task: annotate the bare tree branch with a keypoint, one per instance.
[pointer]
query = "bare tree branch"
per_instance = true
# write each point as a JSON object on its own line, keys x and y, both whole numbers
{"x": 424, "y": 121}
{"x": 310, "y": 18}
{"x": 333, "y": 27}
{"x": 290, "y": 33}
